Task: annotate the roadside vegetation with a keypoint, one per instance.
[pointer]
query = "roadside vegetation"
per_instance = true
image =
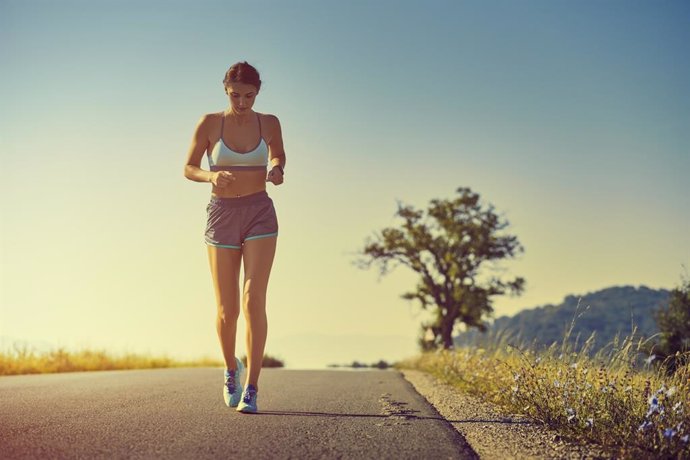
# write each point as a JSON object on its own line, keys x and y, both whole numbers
{"x": 23, "y": 360}
{"x": 631, "y": 395}
{"x": 622, "y": 397}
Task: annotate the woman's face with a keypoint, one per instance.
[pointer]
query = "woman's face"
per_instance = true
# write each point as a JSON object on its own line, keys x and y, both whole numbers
{"x": 242, "y": 96}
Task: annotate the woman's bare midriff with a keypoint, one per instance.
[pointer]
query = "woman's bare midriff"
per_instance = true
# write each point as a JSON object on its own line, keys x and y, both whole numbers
{"x": 245, "y": 183}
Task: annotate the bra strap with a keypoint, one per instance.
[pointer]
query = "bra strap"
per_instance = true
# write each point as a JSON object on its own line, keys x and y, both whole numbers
{"x": 260, "y": 134}
{"x": 222, "y": 119}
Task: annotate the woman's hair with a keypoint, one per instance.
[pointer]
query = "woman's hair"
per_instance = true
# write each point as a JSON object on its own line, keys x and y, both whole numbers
{"x": 242, "y": 72}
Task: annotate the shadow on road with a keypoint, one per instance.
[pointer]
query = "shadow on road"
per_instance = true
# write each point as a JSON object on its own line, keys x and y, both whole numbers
{"x": 397, "y": 416}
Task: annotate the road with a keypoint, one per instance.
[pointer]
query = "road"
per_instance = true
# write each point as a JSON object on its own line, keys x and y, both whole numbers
{"x": 179, "y": 413}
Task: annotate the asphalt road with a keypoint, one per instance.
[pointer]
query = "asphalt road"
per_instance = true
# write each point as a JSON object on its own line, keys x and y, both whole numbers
{"x": 179, "y": 413}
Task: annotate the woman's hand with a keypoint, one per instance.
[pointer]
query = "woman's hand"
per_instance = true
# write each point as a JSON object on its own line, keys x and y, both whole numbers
{"x": 222, "y": 178}
{"x": 275, "y": 176}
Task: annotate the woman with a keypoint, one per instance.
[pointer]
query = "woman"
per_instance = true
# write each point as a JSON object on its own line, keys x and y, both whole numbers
{"x": 242, "y": 225}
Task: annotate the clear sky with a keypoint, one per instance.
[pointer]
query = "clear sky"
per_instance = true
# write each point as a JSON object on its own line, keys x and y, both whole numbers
{"x": 571, "y": 118}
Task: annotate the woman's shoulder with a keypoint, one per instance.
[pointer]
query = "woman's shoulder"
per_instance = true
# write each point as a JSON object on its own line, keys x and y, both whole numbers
{"x": 267, "y": 116}
{"x": 212, "y": 117}
{"x": 271, "y": 126}
{"x": 269, "y": 120}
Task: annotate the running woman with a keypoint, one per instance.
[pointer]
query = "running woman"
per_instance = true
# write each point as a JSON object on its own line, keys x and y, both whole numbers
{"x": 245, "y": 151}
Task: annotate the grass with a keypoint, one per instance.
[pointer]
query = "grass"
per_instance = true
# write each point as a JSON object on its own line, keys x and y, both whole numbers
{"x": 23, "y": 360}
{"x": 613, "y": 398}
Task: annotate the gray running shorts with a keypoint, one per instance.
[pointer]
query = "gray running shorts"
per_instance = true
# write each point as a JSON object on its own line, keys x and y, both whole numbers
{"x": 232, "y": 221}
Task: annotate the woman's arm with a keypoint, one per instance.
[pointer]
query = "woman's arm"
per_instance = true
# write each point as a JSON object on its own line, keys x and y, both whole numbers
{"x": 192, "y": 169}
{"x": 275, "y": 147}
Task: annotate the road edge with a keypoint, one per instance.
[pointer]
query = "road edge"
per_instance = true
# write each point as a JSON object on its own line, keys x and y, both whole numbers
{"x": 488, "y": 432}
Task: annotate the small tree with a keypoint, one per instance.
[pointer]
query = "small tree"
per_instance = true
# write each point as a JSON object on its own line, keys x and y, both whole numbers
{"x": 674, "y": 325}
{"x": 447, "y": 247}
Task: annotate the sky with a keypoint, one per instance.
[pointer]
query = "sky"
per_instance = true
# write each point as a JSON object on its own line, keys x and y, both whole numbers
{"x": 571, "y": 118}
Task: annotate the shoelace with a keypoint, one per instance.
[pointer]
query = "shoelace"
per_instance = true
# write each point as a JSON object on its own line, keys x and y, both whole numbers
{"x": 249, "y": 394}
{"x": 230, "y": 382}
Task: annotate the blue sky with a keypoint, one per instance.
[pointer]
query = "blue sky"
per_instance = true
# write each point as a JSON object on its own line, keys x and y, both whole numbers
{"x": 571, "y": 118}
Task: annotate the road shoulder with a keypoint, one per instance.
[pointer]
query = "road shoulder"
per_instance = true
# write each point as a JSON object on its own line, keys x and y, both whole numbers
{"x": 490, "y": 433}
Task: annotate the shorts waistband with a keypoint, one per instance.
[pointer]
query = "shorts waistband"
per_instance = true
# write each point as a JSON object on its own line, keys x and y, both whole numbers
{"x": 246, "y": 200}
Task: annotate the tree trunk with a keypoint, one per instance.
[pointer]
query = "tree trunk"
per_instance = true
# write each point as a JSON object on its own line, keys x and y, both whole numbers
{"x": 447, "y": 332}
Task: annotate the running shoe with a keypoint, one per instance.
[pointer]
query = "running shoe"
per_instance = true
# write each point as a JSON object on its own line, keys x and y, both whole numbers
{"x": 248, "y": 402}
{"x": 232, "y": 390}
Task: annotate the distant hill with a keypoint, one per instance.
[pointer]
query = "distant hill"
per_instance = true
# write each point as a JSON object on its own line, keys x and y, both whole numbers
{"x": 612, "y": 310}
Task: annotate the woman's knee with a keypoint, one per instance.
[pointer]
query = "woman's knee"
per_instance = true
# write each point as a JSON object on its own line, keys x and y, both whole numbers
{"x": 228, "y": 312}
{"x": 254, "y": 300}
{"x": 254, "y": 293}
{"x": 254, "y": 305}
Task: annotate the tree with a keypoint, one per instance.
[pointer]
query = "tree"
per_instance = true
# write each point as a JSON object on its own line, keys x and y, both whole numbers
{"x": 447, "y": 246}
{"x": 674, "y": 325}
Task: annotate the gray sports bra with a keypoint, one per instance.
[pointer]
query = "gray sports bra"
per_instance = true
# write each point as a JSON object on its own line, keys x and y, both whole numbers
{"x": 223, "y": 158}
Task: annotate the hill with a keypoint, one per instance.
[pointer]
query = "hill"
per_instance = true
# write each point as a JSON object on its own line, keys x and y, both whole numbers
{"x": 609, "y": 312}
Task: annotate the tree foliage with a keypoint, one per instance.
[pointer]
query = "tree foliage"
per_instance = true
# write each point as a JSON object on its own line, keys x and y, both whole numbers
{"x": 674, "y": 324}
{"x": 447, "y": 245}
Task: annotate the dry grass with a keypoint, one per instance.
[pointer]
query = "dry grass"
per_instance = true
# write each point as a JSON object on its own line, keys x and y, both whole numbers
{"x": 22, "y": 360}
{"x": 613, "y": 398}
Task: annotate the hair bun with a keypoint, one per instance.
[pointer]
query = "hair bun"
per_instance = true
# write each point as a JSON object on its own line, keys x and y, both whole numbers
{"x": 242, "y": 72}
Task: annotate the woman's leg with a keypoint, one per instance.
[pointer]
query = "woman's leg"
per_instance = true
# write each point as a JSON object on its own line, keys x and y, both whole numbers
{"x": 258, "y": 258}
{"x": 225, "y": 271}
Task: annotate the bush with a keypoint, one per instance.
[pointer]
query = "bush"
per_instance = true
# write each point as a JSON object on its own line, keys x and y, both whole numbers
{"x": 268, "y": 361}
{"x": 674, "y": 324}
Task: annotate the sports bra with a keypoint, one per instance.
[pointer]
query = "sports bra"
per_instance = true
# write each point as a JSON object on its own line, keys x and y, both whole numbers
{"x": 223, "y": 158}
